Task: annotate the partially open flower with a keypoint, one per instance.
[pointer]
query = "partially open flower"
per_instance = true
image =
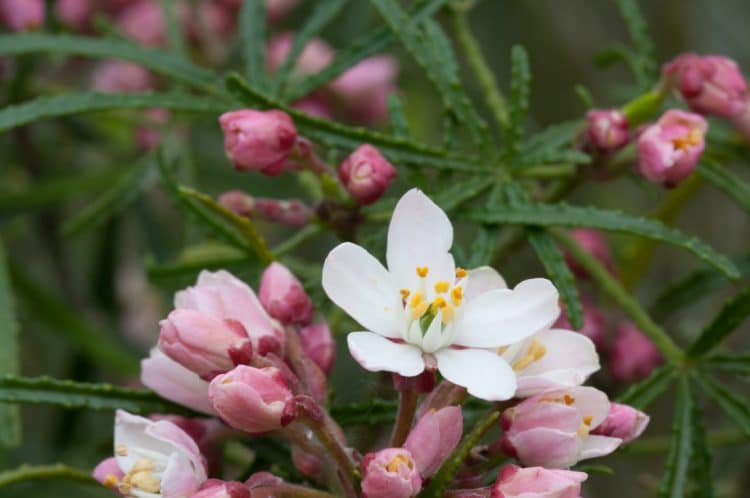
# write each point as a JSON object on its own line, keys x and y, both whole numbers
{"x": 366, "y": 174}
{"x": 624, "y": 422}
{"x": 283, "y": 296}
{"x": 390, "y": 473}
{"x": 537, "y": 482}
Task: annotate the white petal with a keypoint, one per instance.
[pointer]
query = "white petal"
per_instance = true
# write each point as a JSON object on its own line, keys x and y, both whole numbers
{"x": 131, "y": 436}
{"x": 502, "y": 316}
{"x": 179, "y": 480}
{"x": 174, "y": 382}
{"x": 481, "y": 280}
{"x": 433, "y": 338}
{"x": 358, "y": 283}
{"x": 590, "y": 402}
{"x": 596, "y": 446}
{"x": 376, "y": 353}
{"x": 420, "y": 234}
{"x": 484, "y": 374}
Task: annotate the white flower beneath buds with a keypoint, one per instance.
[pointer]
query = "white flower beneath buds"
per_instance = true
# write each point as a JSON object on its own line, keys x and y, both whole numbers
{"x": 422, "y": 310}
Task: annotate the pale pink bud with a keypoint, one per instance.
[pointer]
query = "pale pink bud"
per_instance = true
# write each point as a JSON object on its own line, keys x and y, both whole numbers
{"x": 607, "y": 129}
{"x": 292, "y": 212}
{"x": 711, "y": 84}
{"x": 204, "y": 344}
{"x": 278, "y": 9}
{"x": 316, "y": 55}
{"x": 215, "y": 488}
{"x": 251, "y": 399}
{"x": 121, "y": 76}
{"x": 366, "y": 174}
{"x": 364, "y": 88}
{"x": 390, "y": 473}
{"x": 108, "y": 473}
{"x": 633, "y": 356}
{"x": 224, "y": 297}
{"x": 532, "y": 482}
{"x": 74, "y": 13}
{"x": 669, "y": 150}
{"x": 553, "y": 429}
{"x": 594, "y": 323}
{"x": 595, "y": 243}
{"x": 174, "y": 382}
{"x": 142, "y": 21}
{"x": 238, "y": 202}
{"x": 263, "y": 479}
{"x": 318, "y": 343}
{"x": 434, "y": 437}
{"x": 258, "y": 140}
{"x": 624, "y": 422}
{"x": 22, "y": 15}
{"x": 308, "y": 464}
{"x": 283, "y": 296}
{"x": 741, "y": 120}
{"x": 316, "y": 105}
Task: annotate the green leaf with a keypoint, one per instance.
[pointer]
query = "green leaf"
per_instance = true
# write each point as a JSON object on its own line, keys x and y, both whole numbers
{"x": 399, "y": 123}
{"x": 615, "y": 221}
{"x": 112, "y": 202}
{"x": 729, "y": 318}
{"x": 675, "y": 479}
{"x": 372, "y": 412}
{"x": 10, "y": 417}
{"x": 156, "y": 60}
{"x": 647, "y": 71}
{"x": 700, "y": 465}
{"x": 324, "y": 12}
{"x": 460, "y": 192}
{"x": 423, "y": 40}
{"x": 726, "y": 181}
{"x": 37, "y": 472}
{"x": 483, "y": 247}
{"x": 69, "y": 394}
{"x": 735, "y": 363}
{"x": 253, "y": 40}
{"x": 641, "y": 395}
{"x": 734, "y": 405}
{"x": 337, "y": 135}
{"x": 77, "y": 103}
{"x": 520, "y": 89}
{"x": 359, "y": 49}
{"x": 176, "y": 40}
{"x": 100, "y": 347}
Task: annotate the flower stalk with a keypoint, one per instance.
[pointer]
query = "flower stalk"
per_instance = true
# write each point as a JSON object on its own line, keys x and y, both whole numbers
{"x": 407, "y": 406}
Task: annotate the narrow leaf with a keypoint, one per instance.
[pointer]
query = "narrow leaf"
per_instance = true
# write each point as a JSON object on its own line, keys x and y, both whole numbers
{"x": 615, "y": 221}
{"x": 675, "y": 479}
{"x": 520, "y": 82}
{"x": 372, "y": 412}
{"x": 56, "y": 471}
{"x": 253, "y": 40}
{"x": 734, "y": 405}
{"x": 641, "y": 395}
{"x": 399, "y": 123}
{"x": 175, "y": 38}
{"x": 10, "y": 418}
{"x": 722, "y": 178}
{"x": 646, "y": 55}
{"x": 700, "y": 467}
{"x": 729, "y": 318}
{"x": 735, "y": 363}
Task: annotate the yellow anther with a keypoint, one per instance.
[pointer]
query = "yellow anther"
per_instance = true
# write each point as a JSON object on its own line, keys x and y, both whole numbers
{"x": 399, "y": 459}
{"x": 419, "y": 310}
{"x": 587, "y": 420}
{"x": 692, "y": 138}
{"x": 502, "y": 349}
{"x": 422, "y": 271}
{"x": 460, "y": 272}
{"x": 110, "y": 481}
{"x": 404, "y": 293}
{"x": 442, "y": 286}
{"x": 121, "y": 450}
{"x": 457, "y": 294}
{"x": 448, "y": 314}
{"x": 439, "y": 302}
{"x": 535, "y": 352}
{"x": 569, "y": 400}
{"x": 416, "y": 299}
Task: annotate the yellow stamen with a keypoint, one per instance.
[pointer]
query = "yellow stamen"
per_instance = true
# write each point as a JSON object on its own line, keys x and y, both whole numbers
{"x": 419, "y": 310}
{"x": 110, "y": 481}
{"x": 583, "y": 430}
{"x": 460, "y": 273}
{"x": 404, "y": 293}
{"x": 422, "y": 271}
{"x": 121, "y": 450}
{"x": 502, "y": 349}
{"x": 569, "y": 400}
{"x": 416, "y": 299}
{"x": 457, "y": 294}
{"x": 535, "y": 352}
{"x": 692, "y": 138}
{"x": 394, "y": 464}
{"x": 442, "y": 286}
{"x": 587, "y": 420}
{"x": 448, "y": 313}
{"x": 439, "y": 302}
{"x": 141, "y": 477}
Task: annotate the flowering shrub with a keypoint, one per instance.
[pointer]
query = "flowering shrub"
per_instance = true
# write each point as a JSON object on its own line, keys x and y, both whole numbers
{"x": 356, "y": 308}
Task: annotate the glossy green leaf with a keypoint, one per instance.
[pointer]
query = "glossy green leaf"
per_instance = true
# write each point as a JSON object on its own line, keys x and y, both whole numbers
{"x": 722, "y": 178}
{"x": 642, "y": 394}
{"x": 10, "y": 417}
{"x": 735, "y": 405}
{"x": 615, "y": 221}
{"x": 675, "y": 479}
{"x": 518, "y": 108}
{"x": 77, "y": 103}
{"x": 252, "y": 21}
{"x": 729, "y": 318}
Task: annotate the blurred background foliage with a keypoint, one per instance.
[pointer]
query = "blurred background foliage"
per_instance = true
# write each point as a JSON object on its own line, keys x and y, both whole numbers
{"x": 113, "y": 283}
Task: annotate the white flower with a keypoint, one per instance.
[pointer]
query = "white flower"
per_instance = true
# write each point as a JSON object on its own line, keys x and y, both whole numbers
{"x": 158, "y": 458}
{"x": 423, "y": 309}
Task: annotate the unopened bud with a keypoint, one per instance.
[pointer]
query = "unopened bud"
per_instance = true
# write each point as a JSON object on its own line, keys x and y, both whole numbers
{"x": 624, "y": 422}
{"x": 22, "y": 15}
{"x": 366, "y": 174}
{"x": 633, "y": 356}
{"x": 283, "y": 296}
{"x": 607, "y": 129}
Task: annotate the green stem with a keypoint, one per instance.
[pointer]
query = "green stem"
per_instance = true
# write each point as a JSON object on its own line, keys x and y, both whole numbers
{"x": 492, "y": 95}
{"x": 56, "y": 471}
{"x": 339, "y": 459}
{"x": 620, "y": 295}
{"x": 407, "y": 406}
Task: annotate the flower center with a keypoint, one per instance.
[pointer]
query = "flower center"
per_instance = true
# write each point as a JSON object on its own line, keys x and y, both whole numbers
{"x": 690, "y": 139}
{"x": 396, "y": 462}
{"x": 447, "y": 297}
{"x": 140, "y": 477}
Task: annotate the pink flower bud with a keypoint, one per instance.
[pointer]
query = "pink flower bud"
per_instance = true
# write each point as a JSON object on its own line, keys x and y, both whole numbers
{"x": 316, "y": 55}
{"x": 390, "y": 473}
{"x": 594, "y": 323}
{"x": 251, "y": 399}
{"x": 318, "y": 344}
{"x": 741, "y": 120}
{"x": 284, "y": 297}
{"x": 434, "y": 437}
{"x": 21, "y": 15}
{"x": 121, "y": 76}
{"x": 215, "y": 488}
{"x": 366, "y": 174}
{"x": 711, "y": 84}
{"x": 553, "y": 429}
{"x": 669, "y": 150}
{"x": 292, "y": 212}
{"x": 108, "y": 473}
{"x": 608, "y": 129}
{"x": 142, "y": 21}
{"x": 277, "y": 9}
{"x": 624, "y": 422}
{"x": 532, "y": 482}
{"x": 316, "y": 105}
{"x": 308, "y": 464}
{"x": 364, "y": 88}
{"x": 263, "y": 479}
{"x": 174, "y": 382}
{"x": 633, "y": 356}
{"x": 595, "y": 243}
{"x": 74, "y": 13}
{"x": 204, "y": 344}
{"x": 224, "y": 297}
{"x": 258, "y": 140}
{"x": 148, "y": 135}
